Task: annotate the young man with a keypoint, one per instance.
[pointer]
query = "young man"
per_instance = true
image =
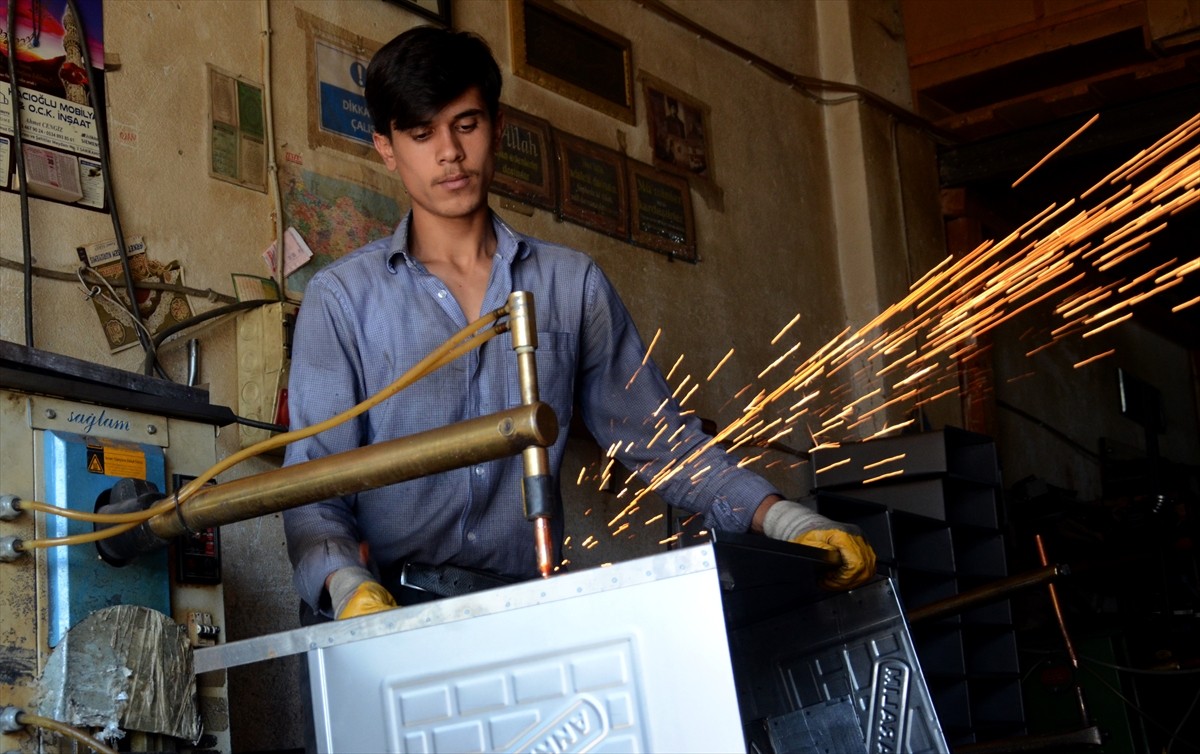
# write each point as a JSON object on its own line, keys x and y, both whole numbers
{"x": 434, "y": 97}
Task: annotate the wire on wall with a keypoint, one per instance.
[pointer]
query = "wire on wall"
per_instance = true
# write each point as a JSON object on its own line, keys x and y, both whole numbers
{"x": 107, "y": 172}
{"x": 18, "y": 146}
{"x": 803, "y": 84}
{"x": 272, "y": 164}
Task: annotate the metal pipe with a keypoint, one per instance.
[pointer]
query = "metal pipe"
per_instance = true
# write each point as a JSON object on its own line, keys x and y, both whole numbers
{"x": 485, "y": 438}
{"x": 1062, "y": 627}
{"x": 982, "y": 595}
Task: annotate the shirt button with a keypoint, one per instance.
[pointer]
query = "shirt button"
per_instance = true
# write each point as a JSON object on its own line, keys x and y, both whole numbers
{"x": 471, "y": 536}
{"x": 442, "y": 294}
{"x": 478, "y": 471}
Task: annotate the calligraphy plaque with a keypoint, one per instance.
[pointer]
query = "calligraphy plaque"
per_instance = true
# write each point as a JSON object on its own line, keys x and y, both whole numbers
{"x": 524, "y": 160}
{"x": 592, "y": 185}
{"x": 661, "y": 212}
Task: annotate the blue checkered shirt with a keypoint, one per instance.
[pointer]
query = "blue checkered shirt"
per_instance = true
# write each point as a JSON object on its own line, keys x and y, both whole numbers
{"x": 369, "y": 316}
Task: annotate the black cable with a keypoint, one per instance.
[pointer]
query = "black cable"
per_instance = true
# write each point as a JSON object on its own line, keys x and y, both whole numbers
{"x": 1175, "y": 736}
{"x": 23, "y": 190}
{"x": 260, "y": 425}
{"x": 1145, "y": 715}
{"x": 98, "y": 116}
{"x": 152, "y": 354}
{"x": 1090, "y": 454}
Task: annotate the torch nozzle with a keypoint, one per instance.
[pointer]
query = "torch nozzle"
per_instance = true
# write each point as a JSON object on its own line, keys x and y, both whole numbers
{"x": 542, "y": 542}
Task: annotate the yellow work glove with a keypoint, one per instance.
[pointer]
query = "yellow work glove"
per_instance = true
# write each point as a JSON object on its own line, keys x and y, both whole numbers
{"x": 793, "y": 522}
{"x": 353, "y": 591}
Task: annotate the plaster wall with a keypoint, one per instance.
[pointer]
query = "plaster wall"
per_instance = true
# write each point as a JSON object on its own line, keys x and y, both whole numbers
{"x": 773, "y": 241}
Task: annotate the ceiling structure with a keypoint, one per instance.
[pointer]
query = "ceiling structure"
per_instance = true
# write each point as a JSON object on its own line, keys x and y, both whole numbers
{"x": 1007, "y": 81}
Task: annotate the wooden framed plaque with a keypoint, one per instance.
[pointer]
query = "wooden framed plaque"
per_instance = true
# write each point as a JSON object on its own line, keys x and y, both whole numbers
{"x": 566, "y": 53}
{"x": 678, "y": 126}
{"x": 593, "y": 190}
{"x": 525, "y": 160}
{"x": 661, "y": 212}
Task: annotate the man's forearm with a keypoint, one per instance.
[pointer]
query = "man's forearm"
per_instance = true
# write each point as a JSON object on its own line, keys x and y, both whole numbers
{"x": 760, "y": 513}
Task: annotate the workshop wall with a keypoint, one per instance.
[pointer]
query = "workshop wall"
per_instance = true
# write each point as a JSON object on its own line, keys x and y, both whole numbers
{"x": 768, "y": 243}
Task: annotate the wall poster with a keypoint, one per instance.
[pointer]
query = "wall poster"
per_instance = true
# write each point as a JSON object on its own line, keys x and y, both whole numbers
{"x": 61, "y": 144}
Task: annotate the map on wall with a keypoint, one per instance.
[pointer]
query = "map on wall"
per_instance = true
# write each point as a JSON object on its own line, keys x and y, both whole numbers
{"x": 334, "y": 216}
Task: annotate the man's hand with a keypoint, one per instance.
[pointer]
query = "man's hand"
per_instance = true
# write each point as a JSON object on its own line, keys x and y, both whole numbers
{"x": 354, "y": 591}
{"x": 793, "y": 522}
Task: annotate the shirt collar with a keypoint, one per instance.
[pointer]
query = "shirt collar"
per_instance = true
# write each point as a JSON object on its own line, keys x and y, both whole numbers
{"x": 510, "y": 245}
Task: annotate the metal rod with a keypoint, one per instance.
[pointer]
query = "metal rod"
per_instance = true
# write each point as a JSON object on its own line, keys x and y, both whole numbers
{"x": 469, "y": 442}
{"x": 1062, "y": 627}
{"x": 982, "y": 595}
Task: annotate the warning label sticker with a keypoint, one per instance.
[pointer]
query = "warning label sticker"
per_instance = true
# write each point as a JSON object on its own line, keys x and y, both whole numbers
{"x": 119, "y": 462}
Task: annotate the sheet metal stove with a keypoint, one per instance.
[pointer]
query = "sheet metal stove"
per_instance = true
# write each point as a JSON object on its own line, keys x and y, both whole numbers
{"x": 720, "y": 647}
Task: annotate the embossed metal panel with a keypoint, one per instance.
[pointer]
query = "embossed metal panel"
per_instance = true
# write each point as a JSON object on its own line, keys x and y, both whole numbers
{"x": 631, "y": 658}
{"x": 852, "y": 645}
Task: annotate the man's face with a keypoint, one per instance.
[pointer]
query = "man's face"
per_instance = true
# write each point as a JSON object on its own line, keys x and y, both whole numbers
{"x": 446, "y": 163}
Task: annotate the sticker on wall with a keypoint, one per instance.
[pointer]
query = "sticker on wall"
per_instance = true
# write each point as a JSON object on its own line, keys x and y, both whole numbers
{"x": 337, "y": 70}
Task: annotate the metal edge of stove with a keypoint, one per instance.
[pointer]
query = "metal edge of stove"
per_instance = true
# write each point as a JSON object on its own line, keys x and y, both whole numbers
{"x": 564, "y": 586}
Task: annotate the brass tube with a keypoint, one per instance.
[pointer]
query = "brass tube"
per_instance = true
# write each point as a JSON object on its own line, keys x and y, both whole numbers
{"x": 522, "y": 320}
{"x": 982, "y": 595}
{"x": 486, "y": 438}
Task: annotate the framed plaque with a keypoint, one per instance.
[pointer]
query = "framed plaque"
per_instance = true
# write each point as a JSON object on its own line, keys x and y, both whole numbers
{"x": 661, "y": 212}
{"x": 525, "y": 160}
{"x": 566, "y": 53}
{"x": 678, "y": 128}
{"x": 593, "y": 191}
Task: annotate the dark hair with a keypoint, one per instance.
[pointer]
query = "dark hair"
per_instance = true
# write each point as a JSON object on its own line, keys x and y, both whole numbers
{"x": 418, "y": 72}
